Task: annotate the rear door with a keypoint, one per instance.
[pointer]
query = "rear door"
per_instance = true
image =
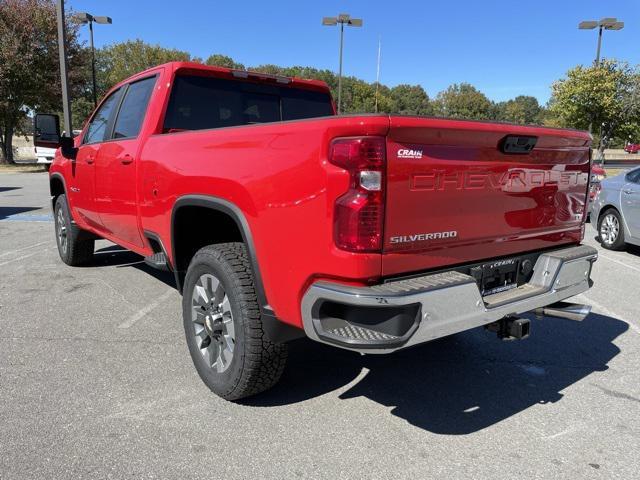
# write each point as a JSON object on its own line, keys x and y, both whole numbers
{"x": 116, "y": 165}
{"x": 456, "y": 193}
{"x": 82, "y": 183}
{"x": 630, "y": 200}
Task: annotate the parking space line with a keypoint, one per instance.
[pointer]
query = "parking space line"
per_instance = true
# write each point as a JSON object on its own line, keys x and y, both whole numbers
{"x": 614, "y": 260}
{"x": 21, "y": 258}
{"x": 10, "y": 252}
{"x": 583, "y": 298}
{"x": 143, "y": 312}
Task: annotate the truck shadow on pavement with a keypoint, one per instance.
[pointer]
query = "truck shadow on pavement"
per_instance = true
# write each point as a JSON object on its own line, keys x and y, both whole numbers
{"x": 117, "y": 256}
{"x": 6, "y": 212}
{"x": 460, "y": 384}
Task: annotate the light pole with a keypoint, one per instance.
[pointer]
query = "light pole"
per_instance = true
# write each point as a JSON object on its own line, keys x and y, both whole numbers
{"x": 84, "y": 17}
{"x": 342, "y": 19}
{"x": 607, "y": 23}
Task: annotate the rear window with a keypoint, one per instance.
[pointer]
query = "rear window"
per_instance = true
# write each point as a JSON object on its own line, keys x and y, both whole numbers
{"x": 199, "y": 102}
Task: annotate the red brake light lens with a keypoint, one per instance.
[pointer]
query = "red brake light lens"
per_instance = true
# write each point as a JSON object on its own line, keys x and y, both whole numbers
{"x": 359, "y": 213}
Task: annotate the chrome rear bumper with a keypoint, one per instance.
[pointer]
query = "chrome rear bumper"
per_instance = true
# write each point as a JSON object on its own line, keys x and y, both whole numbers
{"x": 390, "y": 316}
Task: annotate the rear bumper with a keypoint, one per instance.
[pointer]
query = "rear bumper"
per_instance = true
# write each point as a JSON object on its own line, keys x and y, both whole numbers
{"x": 387, "y": 317}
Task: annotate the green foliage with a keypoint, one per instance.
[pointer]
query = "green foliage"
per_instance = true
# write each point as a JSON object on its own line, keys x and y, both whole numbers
{"x": 118, "y": 61}
{"x": 523, "y": 109}
{"x": 29, "y": 78}
{"x": 605, "y": 96}
{"x": 218, "y": 60}
{"x": 411, "y": 100}
{"x": 463, "y": 101}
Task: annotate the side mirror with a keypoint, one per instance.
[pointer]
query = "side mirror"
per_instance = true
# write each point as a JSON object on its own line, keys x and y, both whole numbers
{"x": 67, "y": 148}
{"x": 46, "y": 130}
{"x": 46, "y": 133}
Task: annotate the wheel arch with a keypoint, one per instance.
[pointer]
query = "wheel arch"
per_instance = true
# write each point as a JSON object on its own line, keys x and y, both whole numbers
{"x": 605, "y": 208}
{"x": 57, "y": 187}
{"x": 276, "y": 330}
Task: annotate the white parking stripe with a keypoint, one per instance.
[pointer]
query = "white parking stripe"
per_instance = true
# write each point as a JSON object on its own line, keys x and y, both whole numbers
{"x": 11, "y": 252}
{"x": 614, "y": 260}
{"x": 583, "y": 298}
{"x": 19, "y": 258}
{"x": 143, "y": 312}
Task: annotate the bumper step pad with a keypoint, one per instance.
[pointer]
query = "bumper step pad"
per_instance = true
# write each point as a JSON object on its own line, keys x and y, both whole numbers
{"x": 353, "y": 332}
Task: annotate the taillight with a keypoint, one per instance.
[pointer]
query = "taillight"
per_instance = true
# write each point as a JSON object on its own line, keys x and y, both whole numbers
{"x": 359, "y": 213}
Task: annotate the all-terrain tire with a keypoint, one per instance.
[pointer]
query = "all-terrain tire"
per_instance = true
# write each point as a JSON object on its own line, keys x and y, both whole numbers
{"x": 256, "y": 363}
{"x": 75, "y": 246}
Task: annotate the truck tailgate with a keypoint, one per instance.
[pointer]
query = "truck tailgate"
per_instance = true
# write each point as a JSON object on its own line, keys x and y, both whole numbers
{"x": 454, "y": 195}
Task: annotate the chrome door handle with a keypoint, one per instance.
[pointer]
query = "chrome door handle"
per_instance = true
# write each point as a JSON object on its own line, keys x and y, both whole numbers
{"x": 629, "y": 192}
{"x": 126, "y": 159}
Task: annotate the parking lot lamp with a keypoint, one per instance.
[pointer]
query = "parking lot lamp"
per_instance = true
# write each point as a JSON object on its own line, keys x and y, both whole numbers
{"x": 83, "y": 17}
{"x": 607, "y": 23}
{"x": 342, "y": 19}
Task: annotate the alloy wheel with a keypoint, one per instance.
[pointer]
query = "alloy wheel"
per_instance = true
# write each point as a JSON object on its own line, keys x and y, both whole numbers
{"x": 609, "y": 229}
{"x": 213, "y": 322}
{"x": 61, "y": 231}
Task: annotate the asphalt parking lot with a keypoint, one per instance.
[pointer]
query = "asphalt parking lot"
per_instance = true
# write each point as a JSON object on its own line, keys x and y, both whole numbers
{"x": 96, "y": 382}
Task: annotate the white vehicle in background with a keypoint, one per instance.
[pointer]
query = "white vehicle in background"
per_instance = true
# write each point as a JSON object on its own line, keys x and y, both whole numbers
{"x": 44, "y": 155}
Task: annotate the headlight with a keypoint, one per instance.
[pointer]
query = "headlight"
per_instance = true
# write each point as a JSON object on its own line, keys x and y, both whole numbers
{"x": 597, "y": 178}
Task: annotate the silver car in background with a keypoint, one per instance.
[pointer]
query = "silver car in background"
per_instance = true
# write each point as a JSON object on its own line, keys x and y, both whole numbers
{"x": 616, "y": 210}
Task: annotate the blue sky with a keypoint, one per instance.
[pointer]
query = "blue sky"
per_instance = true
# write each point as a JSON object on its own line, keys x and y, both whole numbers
{"x": 504, "y": 48}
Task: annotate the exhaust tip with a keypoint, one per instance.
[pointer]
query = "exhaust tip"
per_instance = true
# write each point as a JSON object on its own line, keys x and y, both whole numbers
{"x": 569, "y": 311}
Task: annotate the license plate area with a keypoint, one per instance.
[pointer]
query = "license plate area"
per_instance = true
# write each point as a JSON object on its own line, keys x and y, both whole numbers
{"x": 497, "y": 276}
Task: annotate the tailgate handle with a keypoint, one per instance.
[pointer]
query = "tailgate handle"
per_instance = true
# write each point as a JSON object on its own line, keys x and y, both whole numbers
{"x": 517, "y": 144}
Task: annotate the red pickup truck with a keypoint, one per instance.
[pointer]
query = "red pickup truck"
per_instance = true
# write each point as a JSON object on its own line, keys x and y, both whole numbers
{"x": 280, "y": 219}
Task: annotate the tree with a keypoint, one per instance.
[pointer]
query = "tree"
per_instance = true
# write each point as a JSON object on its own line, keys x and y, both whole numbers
{"x": 463, "y": 101}
{"x": 118, "y": 61}
{"x": 604, "y": 95}
{"x": 523, "y": 109}
{"x": 411, "y": 100}
{"x": 218, "y": 60}
{"x": 29, "y": 68}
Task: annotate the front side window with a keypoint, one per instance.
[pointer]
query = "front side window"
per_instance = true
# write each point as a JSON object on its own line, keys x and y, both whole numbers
{"x": 200, "y": 102}
{"x": 133, "y": 109}
{"x": 97, "y": 130}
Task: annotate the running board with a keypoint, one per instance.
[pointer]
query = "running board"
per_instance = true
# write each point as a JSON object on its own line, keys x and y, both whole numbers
{"x": 157, "y": 261}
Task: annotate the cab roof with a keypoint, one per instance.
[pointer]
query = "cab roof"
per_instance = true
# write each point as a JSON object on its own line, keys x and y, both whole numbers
{"x": 224, "y": 72}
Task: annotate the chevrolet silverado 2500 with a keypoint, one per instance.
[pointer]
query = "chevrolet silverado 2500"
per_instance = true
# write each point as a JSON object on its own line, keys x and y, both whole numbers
{"x": 280, "y": 219}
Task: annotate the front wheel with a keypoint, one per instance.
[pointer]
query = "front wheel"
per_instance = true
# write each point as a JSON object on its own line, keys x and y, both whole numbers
{"x": 74, "y": 250}
{"x": 611, "y": 230}
{"x": 223, "y": 326}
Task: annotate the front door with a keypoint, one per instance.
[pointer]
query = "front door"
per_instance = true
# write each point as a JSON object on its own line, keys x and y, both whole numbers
{"x": 81, "y": 187}
{"x": 116, "y": 166}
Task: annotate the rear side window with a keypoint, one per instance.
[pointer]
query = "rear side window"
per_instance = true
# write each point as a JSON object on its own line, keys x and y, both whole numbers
{"x": 97, "y": 130}
{"x": 133, "y": 109}
{"x": 199, "y": 102}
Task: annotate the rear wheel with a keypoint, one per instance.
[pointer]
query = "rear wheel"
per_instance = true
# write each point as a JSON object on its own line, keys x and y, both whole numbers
{"x": 74, "y": 250}
{"x": 223, "y": 326}
{"x": 611, "y": 230}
